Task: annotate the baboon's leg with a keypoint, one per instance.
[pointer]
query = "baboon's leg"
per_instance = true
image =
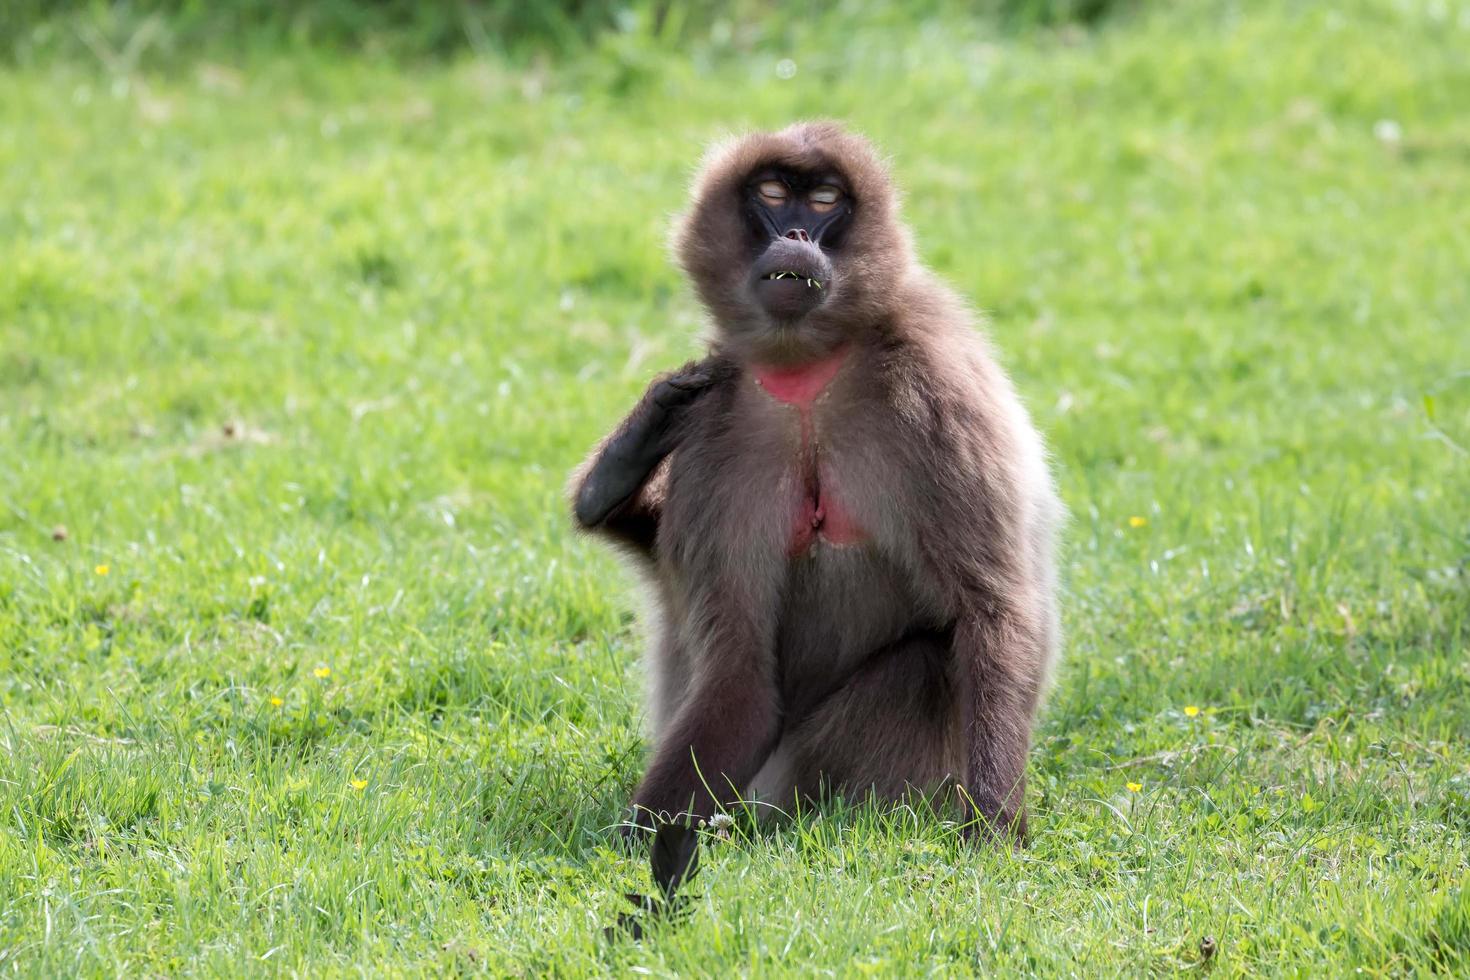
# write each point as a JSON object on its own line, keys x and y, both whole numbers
{"x": 892, "y": 727}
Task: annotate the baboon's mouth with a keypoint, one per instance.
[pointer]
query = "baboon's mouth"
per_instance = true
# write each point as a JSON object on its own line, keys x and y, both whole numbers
{"x": 789, "y": 274}
{"x": 791, "y": 278}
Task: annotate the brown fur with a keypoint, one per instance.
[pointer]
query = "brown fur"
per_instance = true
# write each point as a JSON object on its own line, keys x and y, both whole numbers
{"x": 914, "y": 659}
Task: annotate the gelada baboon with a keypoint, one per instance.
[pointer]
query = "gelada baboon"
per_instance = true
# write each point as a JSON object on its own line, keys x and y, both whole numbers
{"x": 843, "y": 511}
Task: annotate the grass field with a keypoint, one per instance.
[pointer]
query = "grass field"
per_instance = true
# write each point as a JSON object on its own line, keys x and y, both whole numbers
{"x": 303, "y": 671}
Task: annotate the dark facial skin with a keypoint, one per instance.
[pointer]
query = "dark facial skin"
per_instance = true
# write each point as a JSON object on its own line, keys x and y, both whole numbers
{"x": 796, "y": 223}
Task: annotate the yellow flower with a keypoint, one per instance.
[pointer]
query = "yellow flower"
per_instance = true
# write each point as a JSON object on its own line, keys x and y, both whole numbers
{"x": 102, "y": 569}
{"x": 1191, "y": 710}
{"x": 323, "y": 672}
{"x": 1136, "y": 521}
{"x": 1134, "y": 787}
{"x": 276, "y": 702}
{"x": 359, "y": 784}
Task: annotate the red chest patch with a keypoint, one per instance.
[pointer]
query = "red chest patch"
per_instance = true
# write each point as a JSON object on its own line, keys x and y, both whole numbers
{"x": 819, "y": 512}
{"x": 800, "y": 385}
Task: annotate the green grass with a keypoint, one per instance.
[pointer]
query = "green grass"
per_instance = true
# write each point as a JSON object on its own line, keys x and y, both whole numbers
{"x": 300, "y": 349}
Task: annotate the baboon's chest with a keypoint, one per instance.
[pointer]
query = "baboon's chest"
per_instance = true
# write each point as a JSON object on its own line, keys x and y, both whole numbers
{"x": 819, "y": 512}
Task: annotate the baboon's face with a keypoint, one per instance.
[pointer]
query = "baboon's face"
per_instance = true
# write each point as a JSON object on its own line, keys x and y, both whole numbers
{"x": 795, "y": 221}
{"x": 793, "y": 241}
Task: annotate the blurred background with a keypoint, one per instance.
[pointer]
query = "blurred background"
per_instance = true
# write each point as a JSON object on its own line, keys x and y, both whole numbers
{"x": 307, "y": 309}
{"x": 501, "y": 28}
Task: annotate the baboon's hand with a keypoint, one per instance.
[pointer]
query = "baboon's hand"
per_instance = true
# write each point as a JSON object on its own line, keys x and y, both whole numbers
{"x": 667, "y": 398}
{"x": 653, "y": 430}
{"x": 680, "y": 388}
{"x": 650, "y": 433}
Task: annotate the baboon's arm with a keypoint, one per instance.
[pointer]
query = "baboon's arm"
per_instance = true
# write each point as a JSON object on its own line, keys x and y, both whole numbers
{"x": 608, "y": 496}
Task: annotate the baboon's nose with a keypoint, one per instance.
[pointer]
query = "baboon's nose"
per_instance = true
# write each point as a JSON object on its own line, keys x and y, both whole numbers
{"x": 798, "y": 235}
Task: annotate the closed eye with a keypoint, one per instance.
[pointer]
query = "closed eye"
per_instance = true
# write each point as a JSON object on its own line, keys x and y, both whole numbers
{"x": 772, "y": 191}
{"x": 824, "y": 198}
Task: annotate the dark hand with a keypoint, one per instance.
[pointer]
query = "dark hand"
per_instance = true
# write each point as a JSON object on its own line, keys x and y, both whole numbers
{"x": 675, "y": 392}
{"x": 650, "y": 433}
